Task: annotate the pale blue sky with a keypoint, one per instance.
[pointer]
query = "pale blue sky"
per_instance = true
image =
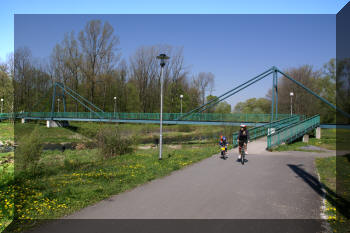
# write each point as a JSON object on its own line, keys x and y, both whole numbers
{"x": 10, "y": 7}
{"x": 233, "y": 47}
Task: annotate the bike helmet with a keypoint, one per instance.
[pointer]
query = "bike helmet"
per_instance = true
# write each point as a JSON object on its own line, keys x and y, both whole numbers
{"x": 243, "y": 126}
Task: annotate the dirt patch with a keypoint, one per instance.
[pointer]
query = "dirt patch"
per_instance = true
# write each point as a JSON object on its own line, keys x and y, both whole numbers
{"x": 147, "y": 147}
{"x": 175, "y": 146}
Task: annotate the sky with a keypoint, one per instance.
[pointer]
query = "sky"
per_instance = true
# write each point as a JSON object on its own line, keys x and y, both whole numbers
{"x": 233, "y": 47}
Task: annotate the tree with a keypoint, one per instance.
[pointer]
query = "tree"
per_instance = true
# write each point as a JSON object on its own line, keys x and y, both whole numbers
{"x": 223, "y": 107}
{"x": 303, "y": 102}
{"x": 212, "y": 108}
{"x": 99, "y": 52}
{"x": 205, "y": 82}
{"x": 133, "y": 100}
{"x": 6, "y": 88}
{"x": 322, "y": 82}
{"x": 327, "y": 89}
{"x": 253, "y": 105}
{"x": 343, "y": 88}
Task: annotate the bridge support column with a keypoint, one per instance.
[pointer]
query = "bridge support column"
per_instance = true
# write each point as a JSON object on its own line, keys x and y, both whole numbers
{"x": 23, "y": 120}
{"x": 318, "y": 132}
{"x": 53, "y": 124}
{"x": 306, "y": 138}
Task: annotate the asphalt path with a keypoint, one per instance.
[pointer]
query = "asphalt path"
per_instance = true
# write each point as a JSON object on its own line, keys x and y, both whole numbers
{"x": 270, "y": 185}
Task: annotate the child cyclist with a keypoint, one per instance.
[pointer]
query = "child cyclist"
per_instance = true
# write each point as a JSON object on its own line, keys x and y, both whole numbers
{"x": 223, "y": 142}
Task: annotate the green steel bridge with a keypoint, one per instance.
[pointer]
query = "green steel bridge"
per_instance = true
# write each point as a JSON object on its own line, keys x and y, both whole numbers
{"x": 278, "y": 128}
{"x": 151, "y": 118}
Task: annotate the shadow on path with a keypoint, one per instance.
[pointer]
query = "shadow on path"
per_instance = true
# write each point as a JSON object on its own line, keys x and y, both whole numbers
{"x": 341, "y": 204}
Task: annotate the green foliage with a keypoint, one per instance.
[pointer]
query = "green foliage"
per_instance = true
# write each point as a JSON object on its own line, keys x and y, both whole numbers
{"x": 133, "y": 99}
{"x": 223, "y": 107}
{"x": 29, "y": 152}
{"x": 111, "y": 143}
{"x": 6, "y": 88}
{"x": 253, "y": 106}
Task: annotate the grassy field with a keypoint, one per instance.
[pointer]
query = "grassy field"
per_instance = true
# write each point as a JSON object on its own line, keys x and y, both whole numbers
{"x": 335, "y": 176}
{"x": 6, "y": 131}
{"x": 75, "y": 179}
{"x": 148, "y": 132}
{"x": 6, "y": 167}
{"x": 67, "y": 181}
{"x": 6, "y": 176}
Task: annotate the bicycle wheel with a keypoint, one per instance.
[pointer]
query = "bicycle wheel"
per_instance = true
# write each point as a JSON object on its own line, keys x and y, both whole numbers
{"x": 242, "y": 156}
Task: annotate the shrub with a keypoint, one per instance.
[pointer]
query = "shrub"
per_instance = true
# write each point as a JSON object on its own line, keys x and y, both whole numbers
{"x": 29, "y": 151}
{"x": 184, "y": 128}
{"x": 110, "y": 143}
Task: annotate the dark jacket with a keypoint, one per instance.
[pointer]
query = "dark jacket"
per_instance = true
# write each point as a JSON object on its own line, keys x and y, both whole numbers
{"x": 243, "y": 137}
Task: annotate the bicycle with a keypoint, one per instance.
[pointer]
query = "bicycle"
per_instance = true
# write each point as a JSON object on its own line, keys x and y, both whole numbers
{"x": 223, "y": 152}
{"x": 242, "y": 154}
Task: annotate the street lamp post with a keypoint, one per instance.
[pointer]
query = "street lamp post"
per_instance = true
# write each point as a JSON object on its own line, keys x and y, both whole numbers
{"x": 291, "y": 103}
{"x": 181, "y": 96}
{"x": 58, "y": 106}
{"x": 2, "y": 104}
{"x": 162, "y": 58}
{"x": 115, "y": 105}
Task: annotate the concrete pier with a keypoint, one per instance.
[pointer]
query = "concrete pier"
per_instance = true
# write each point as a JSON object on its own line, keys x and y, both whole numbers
{"x": 53, "y": 124}
{"x": 318, "y": 132}
{"x": 306, "y": 138}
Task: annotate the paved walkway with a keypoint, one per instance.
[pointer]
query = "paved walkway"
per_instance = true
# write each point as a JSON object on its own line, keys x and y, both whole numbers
{"x": 278, "y": 185}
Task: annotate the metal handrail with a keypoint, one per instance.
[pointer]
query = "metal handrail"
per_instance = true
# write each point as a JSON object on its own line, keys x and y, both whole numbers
{"x": 292, "y": 132}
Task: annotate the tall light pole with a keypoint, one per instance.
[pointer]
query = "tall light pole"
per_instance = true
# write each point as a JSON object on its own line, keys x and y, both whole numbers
{"x": 2, "y": 104}
{"x": 115, "y": 105}
{"x": 58, "y": 106}
{"x": 291, "y": 103}
{"x": 162, "y": 58}
{"x": 181, "y": 96}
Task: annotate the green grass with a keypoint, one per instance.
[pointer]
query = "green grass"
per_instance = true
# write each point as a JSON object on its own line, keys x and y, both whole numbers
{"x": 69, "y": 181}
{"x": 49, "y": 135}
{"x": 335, "y": 175}
{"x": 6, "y": 131}
{"x": 329, "y": 140}
{"x": 6, "y": 176}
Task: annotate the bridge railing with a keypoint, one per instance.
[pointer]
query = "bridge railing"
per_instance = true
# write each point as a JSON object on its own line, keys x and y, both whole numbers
{"x": 292, "y": 132}
{"x": 230, "y": 117}
{"x": 6, "y": 116}
{"x": 260, "y": 131}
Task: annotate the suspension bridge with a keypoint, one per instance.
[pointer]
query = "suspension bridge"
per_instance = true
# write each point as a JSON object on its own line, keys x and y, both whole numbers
{"x": 277, "y": 127}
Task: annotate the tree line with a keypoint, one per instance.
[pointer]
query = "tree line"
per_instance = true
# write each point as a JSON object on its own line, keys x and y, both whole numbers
{"x": 90, "y": 63}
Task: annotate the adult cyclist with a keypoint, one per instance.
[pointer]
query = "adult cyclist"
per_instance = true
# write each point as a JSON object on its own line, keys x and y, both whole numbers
{"x": 242, "y": 139}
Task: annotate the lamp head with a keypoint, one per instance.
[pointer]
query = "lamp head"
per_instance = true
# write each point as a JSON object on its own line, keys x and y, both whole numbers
{"x": 162, "y": 57}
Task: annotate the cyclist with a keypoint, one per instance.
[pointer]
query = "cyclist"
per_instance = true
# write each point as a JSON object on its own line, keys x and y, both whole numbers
{"x": 242, "y": 139}
{"x": 223, "y": 143}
